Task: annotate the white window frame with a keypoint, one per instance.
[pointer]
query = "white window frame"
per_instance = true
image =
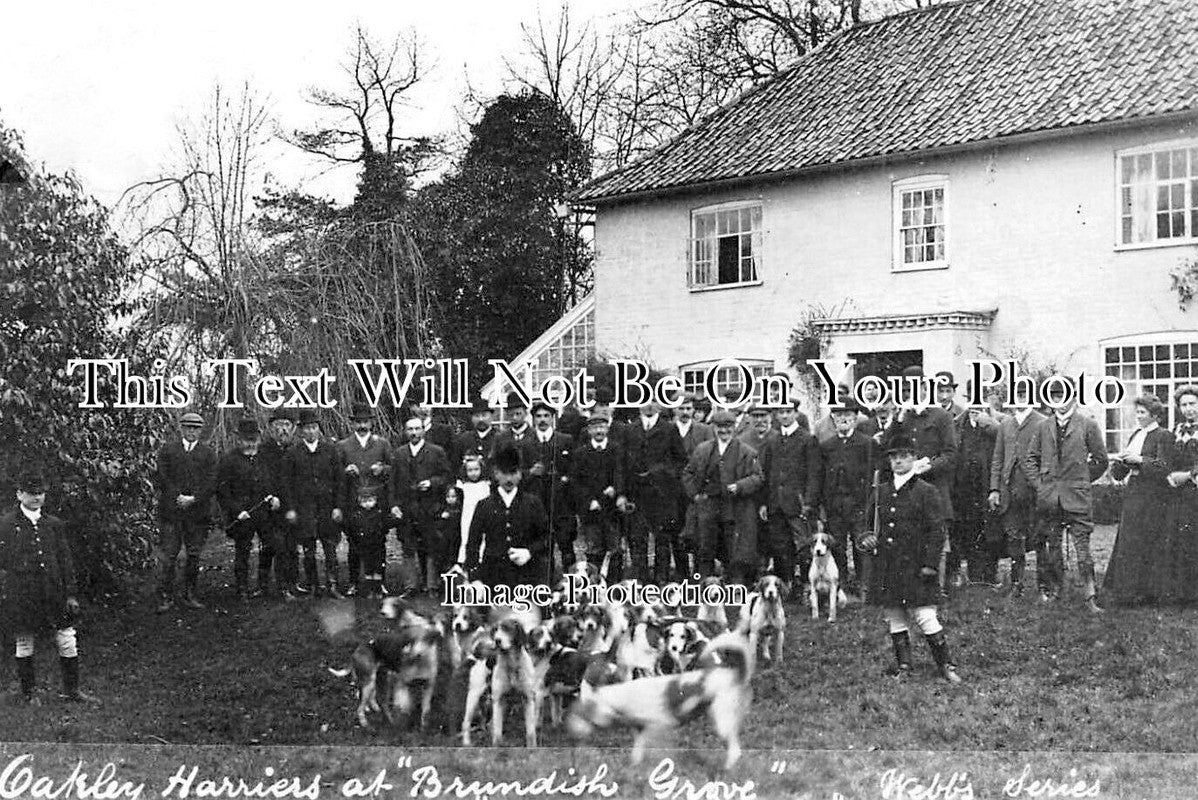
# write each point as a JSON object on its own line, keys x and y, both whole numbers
{"x": 1189, "y": 186}
{"x": 1130, "y": 374}
{"x": 693, "y": 374}
{"x": 757, "y": 238}
{"x": 915, "y": 184}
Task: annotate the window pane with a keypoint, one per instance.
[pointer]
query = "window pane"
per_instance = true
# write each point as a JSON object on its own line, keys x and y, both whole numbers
{"x": 729, "y": 259}
{"x": 756, "y": 218}
{"x": 1162, "y": 165}
{"x": 1178, "y": 166}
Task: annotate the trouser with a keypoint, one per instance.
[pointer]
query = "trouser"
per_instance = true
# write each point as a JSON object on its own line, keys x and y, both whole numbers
{"x": 969, "y": 544}
{"x": 1022, "y": 531}
{"x": 716, "y": 536}
{"x": 924, "y": 617}
{"x": 780, "y": 537}
{"x": 271, "y": 543}
{"x": 600, "y": 533}
{"x": 243, "y": 544}
{"x": 416, "y": 569}
{"x": 638, "y": 528}
{"x": 319, "y": 528}
{"x": 186, "y": 535}
{"x": 353, "y": 560}
{"x": 1080, "y": 525}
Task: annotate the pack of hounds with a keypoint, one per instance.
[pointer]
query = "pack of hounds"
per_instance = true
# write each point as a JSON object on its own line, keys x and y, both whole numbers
{"x": 650, "y": 667}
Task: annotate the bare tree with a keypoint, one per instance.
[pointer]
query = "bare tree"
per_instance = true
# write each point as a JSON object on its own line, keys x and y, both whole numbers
{"x": 194, "y": 238}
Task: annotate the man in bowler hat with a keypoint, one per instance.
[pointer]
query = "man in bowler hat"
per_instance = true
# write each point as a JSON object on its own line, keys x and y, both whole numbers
{"x": 244, "y": 489}
{"x": 186, "y": 481}
{"x": 315, "y": 481}
{"x": 37, "y": 588}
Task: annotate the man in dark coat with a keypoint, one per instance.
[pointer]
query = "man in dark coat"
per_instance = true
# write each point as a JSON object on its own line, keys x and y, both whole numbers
{"x": 909, "y": 542}
{"x": 1013, "y": 485}
{"x": 478, "y": 441}
{"x": 512, "y": 529}
{"x": 548, "y": 477}
{"x": 315, "y": 484}
{"x": 419, "y": 476}
{"x": 244, "y": 489}
{"x": 519, "y": 430}
{"x": 722, "y": 478}
{"x": 272, "y": 544}
{"x": 656, "y": 458}
{"x": 935, "y": 451}
{"x": 37, "y": 588}
{"x": 692, "y": 432}
{"x": 790, "y": 466}
{"x": 1067, "y": 455}
{"x": 974, "y": 546}
{"x": 847, "y": 470}
{"x": 597, "y": 489}
{"x": 186, "y": 480}
{"x": 367, "y": 460}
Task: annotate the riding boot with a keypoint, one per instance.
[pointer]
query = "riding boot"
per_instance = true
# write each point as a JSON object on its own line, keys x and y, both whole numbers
{"x": 70, "y": 682}
{"x": 944, "y": 661}
{"x": 1090, "y": 591}
{"x": 902, "y": 652}
{"x": 25, "y": 673}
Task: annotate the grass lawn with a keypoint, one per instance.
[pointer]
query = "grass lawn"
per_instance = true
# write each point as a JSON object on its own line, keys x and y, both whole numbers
{"x": 1050, "y": 681}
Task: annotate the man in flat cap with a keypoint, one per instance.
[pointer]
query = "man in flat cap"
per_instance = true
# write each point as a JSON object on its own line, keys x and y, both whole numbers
{"x": 37, "y": 588}
{"x": 722, "y": 478}
{"x": 692, "y": 432}
{"x": 655, "y": 460}
{"x": 186, "y": 480}
{"x": 272, "y": 546}
{"x": 367, "y": 458}
{"x": 245, "y": 491}
{"x": 789, "y": 460}
{"x": 315, "y": 488}
{"x": 909, "y": 542}
{"x": 597, "y": 488}
{"x": 847, "y": 473}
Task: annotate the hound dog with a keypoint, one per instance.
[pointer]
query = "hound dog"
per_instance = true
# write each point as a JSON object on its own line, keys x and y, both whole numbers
{"x": 419, "y": 664}
{"x": 374, "y": 667}
{"x": 767, "y": 618}
{"x": 708, "y": 611}
{"x": 472, "y": 680}
{"x": 657, "y": 705}
{"x": 462, "y": 626}
{"x": 513, "y": 673}
{"x": 685, "y": 640}
{"x": 823, "y": 577}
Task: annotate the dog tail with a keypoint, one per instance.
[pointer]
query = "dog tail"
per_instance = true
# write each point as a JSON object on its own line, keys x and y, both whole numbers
{"x": 340, "y": 673}
{"x": 730, "y": 651}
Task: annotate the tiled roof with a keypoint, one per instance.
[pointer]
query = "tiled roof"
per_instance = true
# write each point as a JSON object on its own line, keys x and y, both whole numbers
{"x": 949, "y": 75}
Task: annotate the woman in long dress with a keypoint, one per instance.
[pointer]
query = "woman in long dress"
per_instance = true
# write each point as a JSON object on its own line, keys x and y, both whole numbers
{"x": 1133, "y": 576}
{"x": 1179, "y": 551}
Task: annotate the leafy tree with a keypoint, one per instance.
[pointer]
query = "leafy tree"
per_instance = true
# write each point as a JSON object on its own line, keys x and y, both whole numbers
{"x": 62, "y": 275}
{"x": 501, "y": 263}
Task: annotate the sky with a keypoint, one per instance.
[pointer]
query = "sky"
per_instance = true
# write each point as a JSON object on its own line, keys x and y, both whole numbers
{"x": 98, "y": 88}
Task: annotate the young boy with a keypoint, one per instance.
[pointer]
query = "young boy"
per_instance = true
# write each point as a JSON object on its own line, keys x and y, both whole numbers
{"x": 366, "y": 530}
{"x": 909, "y": 540}
{"x": 37, "y": 588}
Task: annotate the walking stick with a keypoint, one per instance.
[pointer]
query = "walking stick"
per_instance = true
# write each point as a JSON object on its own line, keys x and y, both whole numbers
{"x": 249, "y": 510}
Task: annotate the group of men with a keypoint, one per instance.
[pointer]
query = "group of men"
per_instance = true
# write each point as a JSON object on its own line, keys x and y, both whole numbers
{"x": 656, "y": 496}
